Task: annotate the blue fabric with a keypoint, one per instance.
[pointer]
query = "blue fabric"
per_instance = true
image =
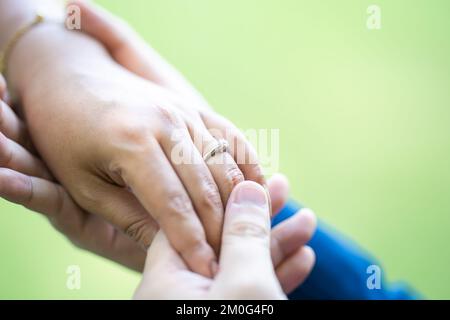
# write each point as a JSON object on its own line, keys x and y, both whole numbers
{"x": 340, "y": 271}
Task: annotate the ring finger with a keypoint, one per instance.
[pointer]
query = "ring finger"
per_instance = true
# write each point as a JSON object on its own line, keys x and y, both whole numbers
{"x": 223, "y": 167}
{"x": 198, "y": 182}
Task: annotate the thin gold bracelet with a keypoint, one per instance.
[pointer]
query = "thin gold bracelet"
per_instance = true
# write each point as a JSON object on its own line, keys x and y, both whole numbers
{"x": 10, "y": 44}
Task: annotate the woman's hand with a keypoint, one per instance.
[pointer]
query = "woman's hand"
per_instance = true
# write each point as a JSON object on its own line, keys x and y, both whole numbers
{"x": 191, "y": 192}
{"x": 245, "y": 267}
{"x": 111, "y": 137}
{"x": 25, "y": 180}
{"x": 129, "y": 50}
{"x": 93, "y": 197}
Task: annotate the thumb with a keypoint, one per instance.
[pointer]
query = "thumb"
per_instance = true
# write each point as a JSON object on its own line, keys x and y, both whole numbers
{"x": 246, "y": 232}
{"x": 161, "y": 264}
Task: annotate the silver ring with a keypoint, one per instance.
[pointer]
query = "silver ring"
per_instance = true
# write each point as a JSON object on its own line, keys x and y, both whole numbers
{"x": 221, "y": 146}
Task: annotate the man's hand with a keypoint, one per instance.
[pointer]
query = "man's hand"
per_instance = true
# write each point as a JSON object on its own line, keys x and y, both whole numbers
{"x": 245, "y": 267}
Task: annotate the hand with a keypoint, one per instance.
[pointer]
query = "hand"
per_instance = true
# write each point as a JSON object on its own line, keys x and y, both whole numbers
{"x": 245, "y": 269}
{"x": 88, "y": 190}
{"x": 121, "y": 132}
{"x": 25, "y": 180}
{"x": 129, "y": 50}
{"x": 88, "y": 231}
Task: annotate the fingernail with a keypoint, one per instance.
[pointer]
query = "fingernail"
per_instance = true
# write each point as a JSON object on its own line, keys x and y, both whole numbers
{"x": 252, "y": 193}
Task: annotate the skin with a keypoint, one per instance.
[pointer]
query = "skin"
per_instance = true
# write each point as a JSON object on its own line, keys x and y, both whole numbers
{"x": 119, "y": 129}
{"x": 25, "y": 180}
{"x": 125, "y": 47}
{"x": 245, "y": 270}
{"x": 108, "y": 137}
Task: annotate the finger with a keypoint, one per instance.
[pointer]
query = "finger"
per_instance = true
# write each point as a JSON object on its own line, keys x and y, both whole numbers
{"x": 241, "y": 150}
{"x": 85, "y": 230}
{"x": 161, "y": 264}
{"x": 154, "y": 182}
{"x": 34, "y": 193}
{"x": 42, "y": 196}
{"x": 292, "y": 234}
{"x": 15, "y": 157}
{"x": 12, "y": 127}
{"x": 101, "y": 237}
{"x": 246, "y": 233}
{"x": 294, "y": 270}
{"x": 278, "y": 186}
{"x": 163, "y": 255}
{"x": 116, "y": 207}
{"x": 2, "y": 87}
{"x": 198, "y": 182}
{"x": 222, "y": 166}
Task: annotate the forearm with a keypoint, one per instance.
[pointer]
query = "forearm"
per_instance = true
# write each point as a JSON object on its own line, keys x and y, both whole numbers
{"x": 17, "y": 17}
{"x": 49, "y": 55}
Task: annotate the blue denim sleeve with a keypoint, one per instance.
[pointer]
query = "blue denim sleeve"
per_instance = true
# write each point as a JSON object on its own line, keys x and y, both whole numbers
{"x": 341, "y": 269}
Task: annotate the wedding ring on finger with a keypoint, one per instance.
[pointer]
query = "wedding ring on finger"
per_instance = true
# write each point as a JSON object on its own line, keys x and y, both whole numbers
{"x": 220, "y": 147}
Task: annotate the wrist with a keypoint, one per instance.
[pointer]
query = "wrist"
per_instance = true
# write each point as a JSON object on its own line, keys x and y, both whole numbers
{"x": 49, "y": 53}
{"x": 29, "y": 56}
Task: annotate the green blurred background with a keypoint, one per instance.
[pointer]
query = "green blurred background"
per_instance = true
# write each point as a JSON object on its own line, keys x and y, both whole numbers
{"x": 363, "y": 116}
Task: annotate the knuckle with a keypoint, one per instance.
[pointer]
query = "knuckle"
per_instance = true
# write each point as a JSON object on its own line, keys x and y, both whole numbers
{"x": 141, "y": 231}
{"x": 211, "y": 200}
{"x": 169, "y": 117}
{"x": 128, "y": 129}
{"x": 57, "y": 218}
{"x": 87, "y": 196}
{"x": 179, "y": 205}
{"x": 132, "y": 132}
{"x": 234, "y": 176}
{"x": 61, "y": 198}
{"x": 247, "y": 228}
